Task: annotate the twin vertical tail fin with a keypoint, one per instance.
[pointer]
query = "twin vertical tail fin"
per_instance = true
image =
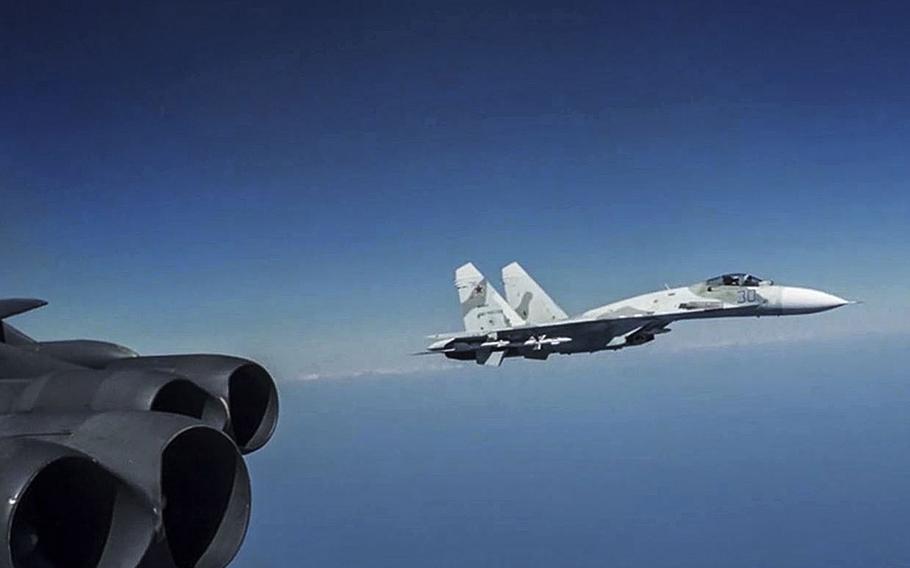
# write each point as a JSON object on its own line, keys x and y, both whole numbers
{"x": 482, "y": 308}
{"x": 527, "y": 298}
{"x": 485, "y": 311}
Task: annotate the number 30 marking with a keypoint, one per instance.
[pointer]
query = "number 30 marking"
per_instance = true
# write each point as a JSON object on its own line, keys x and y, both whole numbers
{"x": 746, "y": 296}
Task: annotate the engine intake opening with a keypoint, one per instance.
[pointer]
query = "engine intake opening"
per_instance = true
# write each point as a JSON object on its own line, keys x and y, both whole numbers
{"x": 183, "y": 397}
{"x": 202, "y": 478}
{"x": 253, "y": 402}
{"x": 64, "y": 517}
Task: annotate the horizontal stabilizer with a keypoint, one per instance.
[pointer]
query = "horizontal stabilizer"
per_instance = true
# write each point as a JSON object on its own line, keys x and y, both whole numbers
{"x": 490, "y": 358}
{"x": 15, "y": 306}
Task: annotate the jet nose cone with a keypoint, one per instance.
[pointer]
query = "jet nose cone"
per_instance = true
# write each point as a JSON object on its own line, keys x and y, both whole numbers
{"x": 808, "y": 301}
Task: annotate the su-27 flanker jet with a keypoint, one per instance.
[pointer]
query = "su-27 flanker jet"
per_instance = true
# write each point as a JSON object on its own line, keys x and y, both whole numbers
{"x": 531, "y": 325}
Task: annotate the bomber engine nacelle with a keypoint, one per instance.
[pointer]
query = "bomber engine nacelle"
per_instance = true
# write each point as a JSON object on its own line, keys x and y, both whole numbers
{"x": 120, "y": 489}
{"x": 114, "y": 389}
{"x": 236, "y": 394}
{"x": 132, "y": 465}
{"x": 112, "y": 460}
{"x": 245, "y": 388}
{"x": 83, "y": 352}
{"x": 59, "y": 508}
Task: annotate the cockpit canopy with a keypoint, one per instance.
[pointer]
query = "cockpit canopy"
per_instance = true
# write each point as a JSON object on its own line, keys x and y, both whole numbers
{"x": 737, "y": 279}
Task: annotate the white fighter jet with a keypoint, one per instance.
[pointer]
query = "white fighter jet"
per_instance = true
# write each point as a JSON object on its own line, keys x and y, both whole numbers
{"x": 531, "y": 325}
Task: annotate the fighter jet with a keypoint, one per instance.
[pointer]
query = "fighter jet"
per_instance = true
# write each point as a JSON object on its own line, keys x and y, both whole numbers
{"x": 531, "y": 325}
{"x": 112, "y": 460}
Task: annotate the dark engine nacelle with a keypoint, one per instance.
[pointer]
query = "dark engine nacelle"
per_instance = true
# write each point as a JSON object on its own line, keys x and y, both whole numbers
{"x": 112, "y": 460}
{"x": 84, "y": 352}
{"x": 99, "y": 391}
{"x": 136, "y": 464}
{"x": 121, "y": 489}
{"x": 247, "y": 390}
{"x": 60, "y": 509}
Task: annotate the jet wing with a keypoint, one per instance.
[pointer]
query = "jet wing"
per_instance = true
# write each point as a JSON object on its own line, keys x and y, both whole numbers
{"x": 609, "y": 326}
{"x": 517, "y": 336}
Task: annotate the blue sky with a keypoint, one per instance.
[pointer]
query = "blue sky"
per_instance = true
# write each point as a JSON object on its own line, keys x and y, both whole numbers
{"x": 296, "y": 181}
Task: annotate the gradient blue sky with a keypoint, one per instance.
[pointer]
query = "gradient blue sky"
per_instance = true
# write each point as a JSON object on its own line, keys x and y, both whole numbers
{"x": 296, "y": 181}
